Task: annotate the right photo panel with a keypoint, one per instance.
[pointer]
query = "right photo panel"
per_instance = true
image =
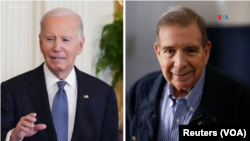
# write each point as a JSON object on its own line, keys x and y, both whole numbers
{"x": 187, "y": 63}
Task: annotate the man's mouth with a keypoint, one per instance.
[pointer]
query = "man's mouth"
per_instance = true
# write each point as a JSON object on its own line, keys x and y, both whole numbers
{"x": 58, "y": 58}
{"x": 181, "y": 74}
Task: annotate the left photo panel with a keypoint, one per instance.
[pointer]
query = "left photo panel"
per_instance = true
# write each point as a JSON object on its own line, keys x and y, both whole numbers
{"x": 62, "y": 71}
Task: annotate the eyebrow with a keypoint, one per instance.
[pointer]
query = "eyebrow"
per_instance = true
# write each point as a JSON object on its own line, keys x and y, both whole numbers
{"x": 187, "y": 47}
{"x": 51, "y": 36}
{"x": 68, "y": 37}
{"x": 167, "y": 47}
{"x": 193, "y": 47}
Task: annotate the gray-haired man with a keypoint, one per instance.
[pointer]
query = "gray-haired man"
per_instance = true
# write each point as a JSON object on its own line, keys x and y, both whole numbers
{"x": 187, "y": 90}
{"x": 56, "y": 101}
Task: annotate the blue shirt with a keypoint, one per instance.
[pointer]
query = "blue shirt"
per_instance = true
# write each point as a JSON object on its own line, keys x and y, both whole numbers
{"x": 178, "y": 111}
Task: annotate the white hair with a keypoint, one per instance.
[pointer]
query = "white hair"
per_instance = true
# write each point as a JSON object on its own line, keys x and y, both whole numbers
{"x": 61, "y": 12}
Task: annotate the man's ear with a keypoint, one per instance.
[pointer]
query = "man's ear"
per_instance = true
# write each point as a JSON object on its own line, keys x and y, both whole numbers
{"x": 81, "y": 45}
{"x": 40, "y": 43}
{"x": 157, "y": 51}
{"x": 207, "y": 52}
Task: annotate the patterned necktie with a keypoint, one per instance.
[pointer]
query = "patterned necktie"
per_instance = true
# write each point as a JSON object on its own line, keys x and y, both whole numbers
{"x": 60, "y": 112}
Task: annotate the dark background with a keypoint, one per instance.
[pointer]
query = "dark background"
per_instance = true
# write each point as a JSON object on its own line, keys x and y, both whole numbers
{"x": 231, "y": 50}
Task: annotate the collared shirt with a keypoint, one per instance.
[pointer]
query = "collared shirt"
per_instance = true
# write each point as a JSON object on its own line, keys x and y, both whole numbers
{"x": 178, "y": 111}
{"x": 52, "y": 88}
{"x": 71, "y": 92}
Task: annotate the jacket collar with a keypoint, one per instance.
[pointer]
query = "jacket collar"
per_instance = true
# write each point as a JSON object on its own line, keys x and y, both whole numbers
{"x": 84, "y": 87}
{"x": 39, "y": 96}
{"x": 212, "y": 97}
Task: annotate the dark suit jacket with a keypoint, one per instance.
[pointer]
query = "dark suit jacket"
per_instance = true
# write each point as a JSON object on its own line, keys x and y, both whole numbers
{"x": 96, "y": 117}
{"x": 224, "y": 98}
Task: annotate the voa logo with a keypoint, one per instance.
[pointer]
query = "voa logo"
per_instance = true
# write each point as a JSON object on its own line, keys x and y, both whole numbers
{"x": 223, "y": 17}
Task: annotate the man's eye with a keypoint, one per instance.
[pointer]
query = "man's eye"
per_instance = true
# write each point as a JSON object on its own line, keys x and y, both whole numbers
{"x": 65, "y": 40}
{"x": 191, "y": 51}
{"x": 169, "y": 51}
{"x": 49, "y": 39}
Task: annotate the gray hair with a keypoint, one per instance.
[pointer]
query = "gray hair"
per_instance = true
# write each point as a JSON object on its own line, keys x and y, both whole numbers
{"x": 183, "y": 16}
{"x": 61, "y": 12}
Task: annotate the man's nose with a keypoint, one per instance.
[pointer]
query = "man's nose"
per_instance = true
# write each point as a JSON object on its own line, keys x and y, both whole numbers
{"x": 180, "y": 60}
{"x": 57, "y": 46}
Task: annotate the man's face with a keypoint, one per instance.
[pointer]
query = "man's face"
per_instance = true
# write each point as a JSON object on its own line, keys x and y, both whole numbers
{"x": 60, "y": 44}
{"x": 181, "y": 55}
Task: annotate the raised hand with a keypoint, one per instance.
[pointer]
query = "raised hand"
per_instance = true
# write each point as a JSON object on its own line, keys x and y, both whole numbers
{"x": 26, "y": 127}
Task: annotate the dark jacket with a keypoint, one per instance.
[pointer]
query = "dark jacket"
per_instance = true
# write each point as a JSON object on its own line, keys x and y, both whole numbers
{"x": 225, "y": 100}
{"x": 96, "y": 117}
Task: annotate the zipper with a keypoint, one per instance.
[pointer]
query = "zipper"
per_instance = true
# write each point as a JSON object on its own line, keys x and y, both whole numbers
{"x": 195, "y": 118}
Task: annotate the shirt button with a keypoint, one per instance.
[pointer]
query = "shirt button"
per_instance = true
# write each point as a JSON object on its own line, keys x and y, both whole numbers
{"x": 191, "y": 109}
{"x": 170, "y": 105}
{"x": 199, "y": 123}
{"x": 153, "y": 116}
{"x": 177, "y": 120}
{"x": 214, "y": 119}
{"x": 133, "y": 138}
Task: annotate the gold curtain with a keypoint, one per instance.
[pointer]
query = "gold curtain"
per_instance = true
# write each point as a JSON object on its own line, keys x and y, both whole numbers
{"x": 118, "y": 6}
{"x": 119, "y": 85}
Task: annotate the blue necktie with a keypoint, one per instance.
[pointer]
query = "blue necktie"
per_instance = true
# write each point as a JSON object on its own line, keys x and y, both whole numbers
{"x": 60, "y": 112}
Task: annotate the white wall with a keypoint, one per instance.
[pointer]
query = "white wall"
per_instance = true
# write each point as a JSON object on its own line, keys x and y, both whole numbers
{"x": 20, "y": 29}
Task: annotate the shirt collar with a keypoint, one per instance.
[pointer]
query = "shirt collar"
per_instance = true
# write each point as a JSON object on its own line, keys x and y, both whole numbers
{"x": 51, "y": 79}
{"x": 195, "y": 92}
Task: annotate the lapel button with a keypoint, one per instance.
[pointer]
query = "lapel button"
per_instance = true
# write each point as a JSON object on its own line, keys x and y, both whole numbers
{"x": 199, "y": 123}
{"x": 214, "y": 119}
{"x": 133, "y": 138}
{"x": 153, "y": 116}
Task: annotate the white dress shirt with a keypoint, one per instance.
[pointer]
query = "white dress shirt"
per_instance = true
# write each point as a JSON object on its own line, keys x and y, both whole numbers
{"x": 71, "y": 91}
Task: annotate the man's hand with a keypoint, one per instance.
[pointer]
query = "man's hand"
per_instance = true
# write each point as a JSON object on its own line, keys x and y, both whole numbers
{"x": 26, "y": 127}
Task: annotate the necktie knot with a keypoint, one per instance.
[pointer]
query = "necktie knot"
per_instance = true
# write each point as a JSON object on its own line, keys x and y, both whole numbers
{"x": 61, "y": 84}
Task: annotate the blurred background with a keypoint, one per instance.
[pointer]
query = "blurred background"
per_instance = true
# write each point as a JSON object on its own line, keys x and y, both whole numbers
{"x": 20, "y": 28}
{"x": 229, "y": 36}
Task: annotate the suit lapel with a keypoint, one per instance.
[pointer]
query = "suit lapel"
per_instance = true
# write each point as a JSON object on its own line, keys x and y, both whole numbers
{"x": 210, "y": 105}
{"x": 82, "y": 107}
{"x": 39, "y": 96}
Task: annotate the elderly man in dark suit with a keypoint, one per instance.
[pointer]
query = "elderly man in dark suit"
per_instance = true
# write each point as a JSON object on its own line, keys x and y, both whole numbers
{"x": 56, "y": 101}
{"x": 187, "y": 90}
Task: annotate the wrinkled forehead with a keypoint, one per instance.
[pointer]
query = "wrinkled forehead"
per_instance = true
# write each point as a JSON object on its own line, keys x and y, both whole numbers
{"x": 61, "y": 20}
{"x": 62, "y": 23}
{"x": 176, "y": 34}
